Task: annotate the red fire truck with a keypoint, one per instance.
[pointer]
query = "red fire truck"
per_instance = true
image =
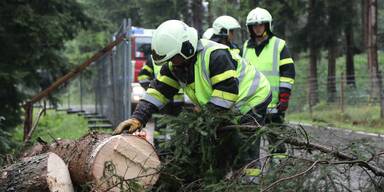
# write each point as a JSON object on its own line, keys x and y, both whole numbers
{"x": 141, "y": 49}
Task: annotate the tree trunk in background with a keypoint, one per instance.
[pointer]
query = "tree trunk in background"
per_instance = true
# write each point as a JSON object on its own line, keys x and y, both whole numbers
{"x": 45, "y": 172}
{"x": 198, "y": 15}
{"x": 331, "y": 79}
{"x": 313, "y": 55}
{"x": 188, "y": 15}
{"x": 350, "y": 66}
{"x": 313, "y": 92}
{"x": 372, "y": 45}
{"x": 252, "y": 3}
{"x": 210, "y": 14}
{"x": 364, "y": 22}
{"x": 376, "y": 81}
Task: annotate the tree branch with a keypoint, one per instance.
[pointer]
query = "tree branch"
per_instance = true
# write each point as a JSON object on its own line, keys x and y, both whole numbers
{"x": 290, "y": 177}
{"x": 310, "y": 145}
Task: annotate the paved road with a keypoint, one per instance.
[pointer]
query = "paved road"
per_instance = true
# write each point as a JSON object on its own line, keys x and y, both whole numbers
{"x": 337, "y": 136}
{"x": 340, "y": 138}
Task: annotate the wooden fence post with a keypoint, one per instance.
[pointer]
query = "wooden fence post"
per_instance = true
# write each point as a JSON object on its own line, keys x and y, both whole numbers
{"x": 342, "y": 80}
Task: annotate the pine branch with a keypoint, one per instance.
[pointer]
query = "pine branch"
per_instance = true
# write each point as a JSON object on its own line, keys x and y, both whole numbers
{"x": 310, "y": 145}
{"x": 290, "y": 177}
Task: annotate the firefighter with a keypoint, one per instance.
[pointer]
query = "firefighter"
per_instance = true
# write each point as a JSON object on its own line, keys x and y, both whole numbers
{"x": 174, "y": 107}
{"x": 224, "y": 32}
{"x": 207, "y": 72}
{"x": 150, "y": 72}
{"x": 208, "y": 33}
{"x": 270, "y": 55}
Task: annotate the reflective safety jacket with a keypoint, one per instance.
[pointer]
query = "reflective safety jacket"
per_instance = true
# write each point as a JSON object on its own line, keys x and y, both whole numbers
{"x": 272, "y": 58}
{"x": 232, "y": 46}
{"x": 150, "y": 72}
{"x": 217, "y": 76}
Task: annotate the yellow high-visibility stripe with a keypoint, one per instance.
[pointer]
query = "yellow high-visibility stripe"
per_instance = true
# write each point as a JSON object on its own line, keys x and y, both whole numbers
{"x": 142, "y": 77}
{"x": 224, "y": 95}
{"x": 287, "y": 80}
{"x": 286, "y": 61}
{"x": 156, "y": 94}
{"x": 146, "y": 67}
{"x": 169, "y": 81}
{"x": 223, "y": 76}
{"x": 252, "y": 172}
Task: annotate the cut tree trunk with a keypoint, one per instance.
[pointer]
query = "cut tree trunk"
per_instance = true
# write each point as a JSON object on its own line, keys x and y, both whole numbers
{"x": 107, "y": 161}
{"x": 45, "y": 172}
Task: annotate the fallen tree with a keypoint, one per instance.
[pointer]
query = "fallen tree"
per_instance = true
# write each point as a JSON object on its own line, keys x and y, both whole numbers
{"x": 308, "y": 145}
{"x": 44, "y": 172}
{"x": 107, "y": 163}
{"x": 195, "y": 152}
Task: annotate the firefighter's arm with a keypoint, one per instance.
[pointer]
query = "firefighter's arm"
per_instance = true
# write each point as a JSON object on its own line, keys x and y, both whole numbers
{"x": 222, "y": 74}
{"x": 162, "y": 89}
{"x": 140, "y": 117}
{"x": 287, "y": 78}
{"x": 146, "y": 74}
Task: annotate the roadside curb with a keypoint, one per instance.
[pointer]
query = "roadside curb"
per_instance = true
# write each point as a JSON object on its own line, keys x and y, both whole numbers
{"x": 338, "y": 129}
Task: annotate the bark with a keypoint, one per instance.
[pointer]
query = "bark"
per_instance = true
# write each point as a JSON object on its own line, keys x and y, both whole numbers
{"x": 364, "y": 22}
{"x": 376, "y": 80}
{"x": 252, "y": 4}
{"x": 350, "y": 66}
{"x": 372, "y": 49}
{"x": 121, "y": 157}
{"x": 45, "y": 172}
{"x": 198, "y": 15}
{"x": 313, "y": 89}
{"x": 313, "y": 55}
{"x": 331, "y": 80}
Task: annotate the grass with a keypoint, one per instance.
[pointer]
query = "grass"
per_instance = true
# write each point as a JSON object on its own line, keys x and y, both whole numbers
{"x": 56, "y": 124}
{"x": 359, "y": 114}
{"x": 357, "y": 118}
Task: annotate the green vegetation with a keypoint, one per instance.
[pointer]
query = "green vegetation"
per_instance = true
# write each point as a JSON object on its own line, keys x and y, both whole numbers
{"x": 56, "y": 125}
{"x": 358, "y": 118}
{"x": 362, "y": 113}
{"x": 33, "y": 35}
{"x": 199, "y": 154}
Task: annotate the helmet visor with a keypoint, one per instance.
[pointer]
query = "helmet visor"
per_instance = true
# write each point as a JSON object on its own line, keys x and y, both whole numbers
{"x": 157, "y": 58}
{"x": 235, "y": 36}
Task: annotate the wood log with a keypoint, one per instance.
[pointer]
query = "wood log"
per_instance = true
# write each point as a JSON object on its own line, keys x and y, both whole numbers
{"x": 108, "y": 161}
{"x": 44, "y": 172}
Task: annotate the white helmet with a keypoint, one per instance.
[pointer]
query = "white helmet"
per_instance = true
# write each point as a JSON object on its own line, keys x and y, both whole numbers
{"x": 173, "y": 37}
{"x": 224, "y": 22}
{"x": 259, "y": 16}
{"x": 208, "y": 33}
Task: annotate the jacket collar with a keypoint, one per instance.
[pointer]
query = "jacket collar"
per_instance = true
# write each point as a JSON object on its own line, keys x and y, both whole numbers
{"x": 252, "y": 44}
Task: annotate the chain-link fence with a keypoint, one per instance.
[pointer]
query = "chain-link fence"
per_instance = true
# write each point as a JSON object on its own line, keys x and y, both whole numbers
{"x": 103, "y": 89}
{"x": 336, "y": 92}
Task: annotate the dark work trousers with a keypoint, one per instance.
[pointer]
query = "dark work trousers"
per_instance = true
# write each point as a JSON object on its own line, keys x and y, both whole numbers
{"x": 256, "y": 116}
{"x": 275, "y": 120}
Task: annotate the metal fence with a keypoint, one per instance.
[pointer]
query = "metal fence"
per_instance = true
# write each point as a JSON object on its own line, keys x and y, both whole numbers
{"x": 344, "y": 95}
{"x": 104, "y": 88}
